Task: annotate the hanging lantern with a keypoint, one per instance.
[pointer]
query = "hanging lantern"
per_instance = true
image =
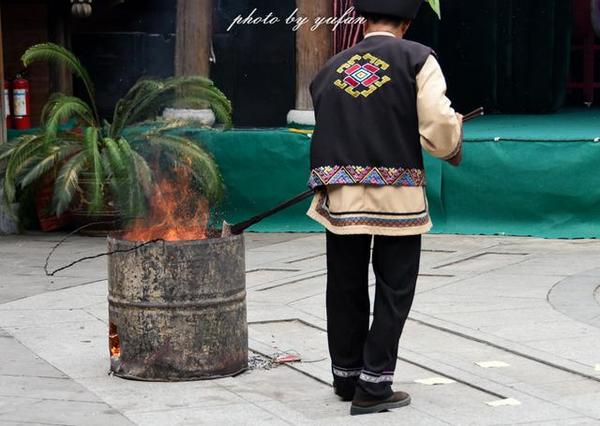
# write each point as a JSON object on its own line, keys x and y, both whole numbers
{"x": 81, "y": 8}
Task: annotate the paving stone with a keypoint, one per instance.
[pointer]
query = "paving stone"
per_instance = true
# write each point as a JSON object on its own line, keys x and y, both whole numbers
{"x": 233, "y": 414}
{"x": 75, "y": 413}
{"x": 571, "y": 297}
{"x": 19, "y": 361}
{"x": 582, "y": 349}
{"x": 131, "y": 396}
{"x": 498, "y": 292}
{"x": 33, "y": 391}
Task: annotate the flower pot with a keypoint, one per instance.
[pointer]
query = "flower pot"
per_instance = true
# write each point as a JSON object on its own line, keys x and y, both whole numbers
{"x": 43, "y": 207}
{"x": 8, "y": 226}
{"x": 205, "y": 117}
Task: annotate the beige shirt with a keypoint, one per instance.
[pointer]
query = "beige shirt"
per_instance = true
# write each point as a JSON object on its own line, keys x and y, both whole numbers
{"x": 396, "y": 211}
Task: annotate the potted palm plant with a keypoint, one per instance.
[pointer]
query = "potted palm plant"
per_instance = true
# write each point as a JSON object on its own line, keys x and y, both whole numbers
{"x": 95, "y": 169}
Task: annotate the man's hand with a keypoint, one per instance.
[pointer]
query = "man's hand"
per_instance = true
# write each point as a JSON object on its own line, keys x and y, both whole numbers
{"x": 457, "y": 159}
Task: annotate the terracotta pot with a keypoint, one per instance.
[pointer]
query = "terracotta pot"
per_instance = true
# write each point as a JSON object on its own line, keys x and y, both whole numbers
{"x": 43, "y": 207}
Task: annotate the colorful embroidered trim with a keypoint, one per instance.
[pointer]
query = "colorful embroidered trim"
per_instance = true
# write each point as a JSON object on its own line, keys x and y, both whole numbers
{"x": 371, "y": 221}
{"x": 361, "y": 75}
{"x": 346, "y": 372}
{"x": 367, "y": 376}
{"x": 355, "y": 175}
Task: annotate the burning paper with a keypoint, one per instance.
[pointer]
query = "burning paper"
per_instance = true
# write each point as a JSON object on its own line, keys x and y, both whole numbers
{"x": 432, "y": 381}
{"x": 504, "y": 402}
{"x": 492, "y": 364}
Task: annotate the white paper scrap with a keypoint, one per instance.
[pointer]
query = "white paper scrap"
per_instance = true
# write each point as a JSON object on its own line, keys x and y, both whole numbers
{"x": 435, "y": 381}
{"x": 504, "y": 402}
{"x": 597, "y": 368}
{"x": 492, "y": 364}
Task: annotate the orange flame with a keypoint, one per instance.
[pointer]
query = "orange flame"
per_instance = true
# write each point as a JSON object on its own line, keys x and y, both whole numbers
{"x": 114, "y": 343}
{"x": 176, "y": 213}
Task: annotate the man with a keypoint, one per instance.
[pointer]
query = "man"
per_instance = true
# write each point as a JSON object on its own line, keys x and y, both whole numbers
{"x": 377, "y": 104}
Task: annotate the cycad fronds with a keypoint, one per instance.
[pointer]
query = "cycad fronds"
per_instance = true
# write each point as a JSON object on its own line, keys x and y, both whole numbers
{"x": 101, "y": 154}
{"x": 114, "y": 158}
{"x": 68, "y": 181}
{"x": 7, "y": 148}
{"x": 56, "y": 155}
{"x": 146, "y": 99}
{"x": 144, "y": 174}
{"x": 185, "y": 153}
{"x": 61, "y": 107}
{"x": 54, "y": 53}
{"x": 90, "y": 140}
{"x": 141, "y": 92}
{"x": 137, "y": 201}
{"x": 20, "y": 158}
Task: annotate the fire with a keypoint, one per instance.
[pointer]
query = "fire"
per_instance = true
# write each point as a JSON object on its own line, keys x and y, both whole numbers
{"x": 176, "y": 213}
{"x": 114, "y": 343}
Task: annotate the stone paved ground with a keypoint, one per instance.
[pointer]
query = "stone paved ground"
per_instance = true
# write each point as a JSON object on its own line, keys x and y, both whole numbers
{"x": 531, "y": 304}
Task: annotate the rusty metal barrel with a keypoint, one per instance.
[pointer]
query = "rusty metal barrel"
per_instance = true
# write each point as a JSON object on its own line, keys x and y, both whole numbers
{"x": 177, "y": 310}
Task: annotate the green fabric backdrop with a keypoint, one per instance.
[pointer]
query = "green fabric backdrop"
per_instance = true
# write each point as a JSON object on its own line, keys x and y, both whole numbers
{"x": 528, "y": 175}
{"x": 522, "y": 175}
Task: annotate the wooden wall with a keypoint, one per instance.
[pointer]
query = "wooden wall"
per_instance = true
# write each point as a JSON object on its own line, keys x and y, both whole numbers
{"x": 24, "y": 23}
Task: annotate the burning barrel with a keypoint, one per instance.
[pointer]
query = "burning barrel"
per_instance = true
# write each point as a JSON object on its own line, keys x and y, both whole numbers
{"x": 177, "y": 309}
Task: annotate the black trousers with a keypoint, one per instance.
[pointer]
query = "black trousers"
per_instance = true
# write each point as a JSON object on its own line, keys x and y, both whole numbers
{"x": 364, "y": 356}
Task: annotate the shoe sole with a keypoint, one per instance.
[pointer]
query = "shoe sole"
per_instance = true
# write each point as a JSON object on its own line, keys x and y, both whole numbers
{"x": 384, "y": 406}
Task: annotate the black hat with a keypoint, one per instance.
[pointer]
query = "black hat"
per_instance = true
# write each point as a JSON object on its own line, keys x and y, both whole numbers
{"x": 406, "y": 9}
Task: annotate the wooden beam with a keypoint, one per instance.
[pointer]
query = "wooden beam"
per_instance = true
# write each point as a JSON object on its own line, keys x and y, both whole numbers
{"x": 313, "y": 48}
{"x": 59, "y": 32}
{"x": 194, "y": 37}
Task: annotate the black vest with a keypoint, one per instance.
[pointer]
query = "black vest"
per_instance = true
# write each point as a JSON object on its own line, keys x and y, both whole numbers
{"x": 367, "y": 129}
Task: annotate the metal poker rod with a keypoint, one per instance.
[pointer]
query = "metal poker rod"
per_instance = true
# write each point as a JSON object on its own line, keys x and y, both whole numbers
{"x": 237, "y": 229}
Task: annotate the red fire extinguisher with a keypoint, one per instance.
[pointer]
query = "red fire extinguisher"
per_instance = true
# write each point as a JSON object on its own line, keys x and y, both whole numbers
{"x": 7, "y": 104}
{"x": 21, "y": 103}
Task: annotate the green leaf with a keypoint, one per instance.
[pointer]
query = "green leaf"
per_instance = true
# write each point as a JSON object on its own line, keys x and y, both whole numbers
{"x": 61, "y": 107}
{"x": 115, "y": 159}
{"x": 187, "y": 154}
{"x": 56, "y": 155}
{"x": 68, "y": 181}
{"x": 136, "y": 205}
{"x": 26, "y": 149}
{"x": 151, "y": 96}
{"x": 435, "y": 5}
{"x": 144, "y": 174}
{"x": 51, "y": 52}
{"x": 143, "y": 92}
{"x": 90, "y": 140}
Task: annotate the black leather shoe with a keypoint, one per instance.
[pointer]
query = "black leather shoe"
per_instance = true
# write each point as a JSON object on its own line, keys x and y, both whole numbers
{"x": 344, "y": 390}
{"x": 397, "y": 400}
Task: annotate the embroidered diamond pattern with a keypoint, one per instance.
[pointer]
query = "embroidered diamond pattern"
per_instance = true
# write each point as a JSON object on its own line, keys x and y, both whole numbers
{"x": 362, "y": 75}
